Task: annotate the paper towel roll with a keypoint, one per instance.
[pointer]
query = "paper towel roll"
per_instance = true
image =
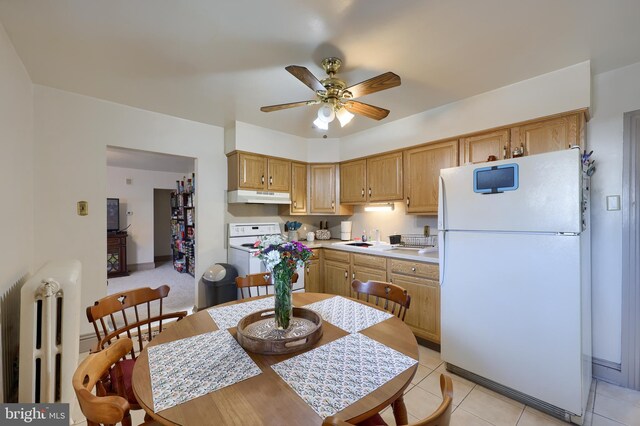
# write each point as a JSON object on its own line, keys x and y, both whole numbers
{"x": 345, "y": 226}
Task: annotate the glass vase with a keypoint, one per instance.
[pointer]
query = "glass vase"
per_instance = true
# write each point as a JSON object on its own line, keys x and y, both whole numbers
{"x": 281, "y": 280}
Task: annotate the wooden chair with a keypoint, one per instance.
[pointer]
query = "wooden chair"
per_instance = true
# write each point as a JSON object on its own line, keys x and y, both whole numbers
{"x": 130, "y": 314}
{"x": 257, "y": 281}
{"x": 388, "y": 292}
{"x": 440, "y": 417}
{"x": 102, "y": 408}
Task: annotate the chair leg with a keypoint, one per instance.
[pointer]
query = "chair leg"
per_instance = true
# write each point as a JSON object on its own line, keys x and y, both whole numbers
{"x": 400, "y": 411}
{"x": 126, "y": 420}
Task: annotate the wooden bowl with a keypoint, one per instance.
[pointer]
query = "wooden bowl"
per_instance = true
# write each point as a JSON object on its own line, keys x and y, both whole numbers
{"x": 257, "y": 332}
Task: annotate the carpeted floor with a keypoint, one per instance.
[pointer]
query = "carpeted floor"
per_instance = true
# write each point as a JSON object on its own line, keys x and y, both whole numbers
{"x": 182, "y": 294}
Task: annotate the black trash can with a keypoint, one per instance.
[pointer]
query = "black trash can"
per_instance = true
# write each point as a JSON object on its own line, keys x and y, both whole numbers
{"x": 220, "y": 284}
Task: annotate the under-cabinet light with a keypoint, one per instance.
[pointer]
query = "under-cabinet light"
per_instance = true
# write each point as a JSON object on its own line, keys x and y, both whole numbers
{"x": 379, "y": 208}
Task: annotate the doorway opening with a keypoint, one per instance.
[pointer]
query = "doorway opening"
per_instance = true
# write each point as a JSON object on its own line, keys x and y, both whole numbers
{"x": 144, "y": 182}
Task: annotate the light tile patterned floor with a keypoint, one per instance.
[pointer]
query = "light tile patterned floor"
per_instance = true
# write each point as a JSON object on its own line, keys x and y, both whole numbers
{"x": 476, "y": 406}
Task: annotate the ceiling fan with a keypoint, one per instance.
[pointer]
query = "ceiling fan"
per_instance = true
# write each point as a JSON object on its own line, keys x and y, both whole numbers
{"x": 334, "y": 95}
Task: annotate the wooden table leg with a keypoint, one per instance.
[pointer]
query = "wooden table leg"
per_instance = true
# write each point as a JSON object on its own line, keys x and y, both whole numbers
{"x": 400, "y": 411}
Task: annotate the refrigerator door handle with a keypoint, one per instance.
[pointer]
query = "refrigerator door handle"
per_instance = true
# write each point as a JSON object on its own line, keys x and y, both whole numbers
{"x": 440, "y": 203}
{"x": 442, "y": 254}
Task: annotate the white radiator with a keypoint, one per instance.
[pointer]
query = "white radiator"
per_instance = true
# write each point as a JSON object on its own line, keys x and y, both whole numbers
{"x": 50, "y": 333}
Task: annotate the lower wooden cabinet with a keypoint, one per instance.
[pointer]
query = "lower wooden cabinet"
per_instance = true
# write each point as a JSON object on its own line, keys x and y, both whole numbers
{"x": 337, "y": 278}
{"x": 423, "y": 315}
{"x": 339, "y": 268}
{"x": 313, "y": 274}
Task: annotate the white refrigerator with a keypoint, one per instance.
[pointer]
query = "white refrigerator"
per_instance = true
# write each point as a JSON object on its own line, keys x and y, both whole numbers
{"x": 515, "y": 279}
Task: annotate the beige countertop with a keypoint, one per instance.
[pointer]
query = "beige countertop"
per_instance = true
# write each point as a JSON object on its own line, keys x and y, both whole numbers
{"x": 396, "y": 253}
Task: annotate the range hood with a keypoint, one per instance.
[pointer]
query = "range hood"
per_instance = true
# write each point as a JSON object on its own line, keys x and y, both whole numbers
{"x": 258, "y": 197}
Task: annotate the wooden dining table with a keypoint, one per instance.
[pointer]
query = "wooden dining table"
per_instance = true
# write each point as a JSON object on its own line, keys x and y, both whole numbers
{"x": 266, "y": 399}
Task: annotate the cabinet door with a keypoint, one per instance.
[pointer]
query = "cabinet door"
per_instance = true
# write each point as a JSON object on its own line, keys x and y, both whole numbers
{"x": 384, "y": 177}
{"x": 298, "y": 188}
{"x": 252, "y": 170}
{"x": 312, "y": 281}
{"x": 423, "y": 314}
{"x": 279, "y": 172}
{"x": 353, "y": 182}
{"x": 422, "y": 172}
{"x": 548, "y": 135}
{"x": 336, "y": 278}
{"x": 323, "y": 188}
{"x": 478, "y": 148}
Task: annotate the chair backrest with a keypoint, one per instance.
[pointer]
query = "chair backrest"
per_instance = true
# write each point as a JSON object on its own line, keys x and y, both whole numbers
{"x": 100, "y": 408}
{"x": 440, "y": 417}
{"x": 388, "y": 292}
{"x": 135, "y": 313}
{"x": 257, "y": 281}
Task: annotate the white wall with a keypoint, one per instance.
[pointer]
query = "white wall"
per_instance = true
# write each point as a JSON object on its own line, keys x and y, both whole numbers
{"x": 614, "y": 93}
{"x": 555, "y": 92}
{"x": 16, "y": 166}
{"x": 137, "y": 207}
{"x": 250, "y": 138}
{"x": 71, "y": 137}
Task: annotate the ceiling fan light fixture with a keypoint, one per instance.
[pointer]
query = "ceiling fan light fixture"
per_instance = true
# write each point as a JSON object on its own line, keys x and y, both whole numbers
{"x": 326, "y": 113}
{"x": 320, "y": 124}
{"x": 344, "y": 116}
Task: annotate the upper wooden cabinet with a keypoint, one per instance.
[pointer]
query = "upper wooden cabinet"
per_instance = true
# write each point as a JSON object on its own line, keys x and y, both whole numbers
{"x": 323, "y": 188}
{"x": 422, "y": 172}
{"x": 478, "y": 148}
{"x": 254, "y": 171}
{"x": 548, "y": 135}
{"x": 353, "y": 181}
{"x": 374, "y": 179}
{"x": 279, "y": 175}
{"x": 384, "y": 177}
{"x": 298, "y": 188}
{"x": 246, "y": 171}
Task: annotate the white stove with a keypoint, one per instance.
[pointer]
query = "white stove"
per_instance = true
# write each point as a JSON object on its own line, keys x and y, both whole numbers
{"x": 242, "y": 237}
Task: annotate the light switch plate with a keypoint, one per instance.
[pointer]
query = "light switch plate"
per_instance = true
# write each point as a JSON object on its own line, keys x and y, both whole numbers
{"x": 83, "y": 208}
{"x": 613, "y": 202}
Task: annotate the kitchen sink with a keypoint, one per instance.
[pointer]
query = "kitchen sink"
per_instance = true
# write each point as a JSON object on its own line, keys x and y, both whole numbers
{"x": 359, "y": 244}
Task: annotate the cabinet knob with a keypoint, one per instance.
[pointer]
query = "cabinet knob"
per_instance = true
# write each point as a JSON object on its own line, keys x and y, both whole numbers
{"x": 346, "y": 274}
{"x": 270, "y": 180}
{"x": 408, "y": 201}
{"x": 262, "y": 179}
{"x": 413, "y": 269}
{"x": 333, "y": 204}
{"x": 362, "y": 193}
{"x": 307, "y": 269}
{"x": 295, "y": 204}
{"x": 353, "y": 276}
{"x": 369, "y": 192}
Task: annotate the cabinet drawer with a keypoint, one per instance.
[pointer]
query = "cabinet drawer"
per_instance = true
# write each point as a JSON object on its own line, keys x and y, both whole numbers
{"x": 375, "y": 262}
{"x": 417, "y": 269}
{"x": 315, "y": 254}
{"x": 337, "y": 256}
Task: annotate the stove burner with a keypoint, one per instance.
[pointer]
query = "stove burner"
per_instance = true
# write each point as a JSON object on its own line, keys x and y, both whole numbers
{"x": 247, "y": 245}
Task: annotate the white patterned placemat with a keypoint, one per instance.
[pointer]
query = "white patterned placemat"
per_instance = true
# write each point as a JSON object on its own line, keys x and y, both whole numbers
{"x": 348, "y": 315}
{"x": 229, "y": 316}
{"x": 188, "y": 368}
{"x": 335, "y": 375}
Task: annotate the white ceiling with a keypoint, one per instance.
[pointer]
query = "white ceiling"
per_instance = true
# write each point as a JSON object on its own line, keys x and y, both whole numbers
{"x": 217, "y": 61}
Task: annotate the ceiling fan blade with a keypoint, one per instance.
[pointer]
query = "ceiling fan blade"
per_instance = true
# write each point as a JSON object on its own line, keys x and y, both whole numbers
{"x": 367, "y": 110}
{"x": 375, "y": 84}
{"x": 305, "y": 76}
{"x": 271, "y": 108}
